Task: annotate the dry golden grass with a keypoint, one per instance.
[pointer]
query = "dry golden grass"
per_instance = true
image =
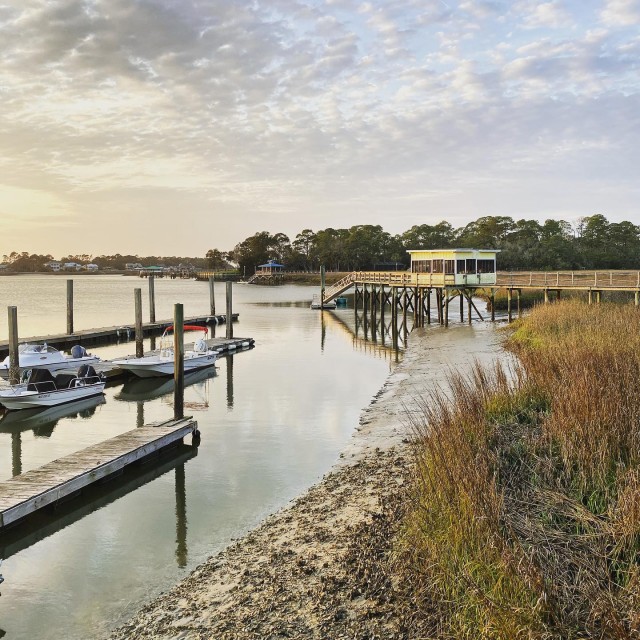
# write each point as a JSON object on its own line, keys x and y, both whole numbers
{"x": 526, "y": 501}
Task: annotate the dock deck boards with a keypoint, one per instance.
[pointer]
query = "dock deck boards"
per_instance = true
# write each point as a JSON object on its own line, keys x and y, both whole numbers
{"x": 26, "y": 493}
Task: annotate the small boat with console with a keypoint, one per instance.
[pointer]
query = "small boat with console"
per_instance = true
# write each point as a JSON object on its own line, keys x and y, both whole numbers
{"x": 44, "y": 356}
{"x": 161, "y": 363}
{"x": 40, "y": 388}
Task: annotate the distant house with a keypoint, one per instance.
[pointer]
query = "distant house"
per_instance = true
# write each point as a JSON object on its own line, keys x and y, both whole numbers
{"x": 72, "y": 266}
{"x": 54, "y": 265}
{"x": 91, "y": 267}
{"x": 133, "y": 266}
{"x": 3, "y": 266}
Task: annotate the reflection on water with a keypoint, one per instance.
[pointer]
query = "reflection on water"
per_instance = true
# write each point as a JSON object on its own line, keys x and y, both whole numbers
{"x": 272, "y": 422}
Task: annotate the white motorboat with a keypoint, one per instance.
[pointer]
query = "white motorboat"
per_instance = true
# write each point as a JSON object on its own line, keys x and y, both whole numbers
{"x": 40, "y": 388}
{"x": 43, "y": 356}
{"x": 162, "y": 362}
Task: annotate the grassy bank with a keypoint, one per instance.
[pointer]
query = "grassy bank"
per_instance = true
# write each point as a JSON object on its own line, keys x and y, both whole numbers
{"x": 525, "y": 519}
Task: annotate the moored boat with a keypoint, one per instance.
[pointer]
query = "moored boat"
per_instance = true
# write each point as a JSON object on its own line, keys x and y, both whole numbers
{"x": 162, "y": 363}
{"x": 44, "y": 356}
{"x": 40, "y": 388}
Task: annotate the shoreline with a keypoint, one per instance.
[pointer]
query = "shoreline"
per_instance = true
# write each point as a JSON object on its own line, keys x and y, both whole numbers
{"x": 321, "y": 566}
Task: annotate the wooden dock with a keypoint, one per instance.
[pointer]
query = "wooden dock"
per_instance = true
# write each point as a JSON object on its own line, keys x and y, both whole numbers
{"x": 110, "y": 335}
{"x": 61, "y": 479}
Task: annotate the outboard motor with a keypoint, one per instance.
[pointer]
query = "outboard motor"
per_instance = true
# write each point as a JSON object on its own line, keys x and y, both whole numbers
{"x": 78, "y": 351}
{"x": 200, "y": 345}
{"x": 87, "y": 371}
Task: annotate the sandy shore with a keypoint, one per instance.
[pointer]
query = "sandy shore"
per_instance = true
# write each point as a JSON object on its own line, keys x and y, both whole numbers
{"x": 321, "y": 567}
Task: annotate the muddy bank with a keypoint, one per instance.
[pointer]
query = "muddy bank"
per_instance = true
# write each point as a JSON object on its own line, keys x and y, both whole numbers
{"x": 321, "y": 568}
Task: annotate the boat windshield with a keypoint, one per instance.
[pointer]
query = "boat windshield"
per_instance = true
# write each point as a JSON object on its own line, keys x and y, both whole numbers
{"x": 35, "y": 348}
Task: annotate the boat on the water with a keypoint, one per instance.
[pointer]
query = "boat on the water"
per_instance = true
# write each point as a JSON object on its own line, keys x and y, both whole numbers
{"x": 161, "y": 363}
{"x": 44, "y": 356}
{"x": 40, "y": 388}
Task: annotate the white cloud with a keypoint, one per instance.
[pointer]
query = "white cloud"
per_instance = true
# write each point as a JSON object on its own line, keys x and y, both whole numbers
{"x": 297, "y": 107}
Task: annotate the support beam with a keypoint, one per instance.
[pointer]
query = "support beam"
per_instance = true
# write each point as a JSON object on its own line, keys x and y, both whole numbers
{"x": 14, "y": 358}
{"x": 212, "y": 295}
{"x": 178, "y": 361}
{"x": 138, "y": 323}
{"x": 229, "y": 319}
{"x": 69, "y": 307}
{"x": 509, "y": 295}
{"x": 152, "y": 298}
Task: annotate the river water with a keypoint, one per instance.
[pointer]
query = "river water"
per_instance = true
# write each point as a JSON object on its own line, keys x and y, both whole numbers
{"x": 273, "y": 420}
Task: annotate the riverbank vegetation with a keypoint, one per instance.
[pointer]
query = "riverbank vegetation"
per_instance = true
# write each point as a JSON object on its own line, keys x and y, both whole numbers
{"x": 525, "y": 518}
{"x": 590, "y": 243}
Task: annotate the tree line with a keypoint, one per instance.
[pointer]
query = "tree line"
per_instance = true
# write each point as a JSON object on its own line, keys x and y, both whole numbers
{"x": 590, "y": 243}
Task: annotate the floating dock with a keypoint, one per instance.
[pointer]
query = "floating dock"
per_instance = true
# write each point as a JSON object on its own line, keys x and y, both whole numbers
{"x": 110, "y": 335}
{"x": 64, "y": 478}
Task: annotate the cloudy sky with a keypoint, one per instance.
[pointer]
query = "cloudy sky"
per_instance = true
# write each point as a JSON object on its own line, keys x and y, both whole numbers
{"x": 175, "y": 126}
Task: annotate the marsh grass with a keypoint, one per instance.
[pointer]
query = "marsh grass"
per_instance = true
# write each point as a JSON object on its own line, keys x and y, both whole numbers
{"x": 525, "y": 519}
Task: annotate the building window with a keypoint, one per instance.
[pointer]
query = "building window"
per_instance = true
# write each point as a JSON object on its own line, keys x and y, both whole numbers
{"x": 437, "y": 266}
{"x": 421, "y": 266}
{"x": 449, "y": 266}
{"x": 486, "y": 266}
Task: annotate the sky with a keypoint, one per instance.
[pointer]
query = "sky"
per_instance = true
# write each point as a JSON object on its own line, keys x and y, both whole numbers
{"x": 170, "y": 127}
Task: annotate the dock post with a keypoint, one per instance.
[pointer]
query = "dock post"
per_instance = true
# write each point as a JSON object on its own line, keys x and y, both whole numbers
{"x": 429, "y": 306}
{"x": 416, "y": 317}
{"x": 492, "y": 297}
{"x": 394, "y": 314}
{"x": 69, "y": 307}
{"x": 637, "y": 298}
{"x": 598, "y": 297}
{"x": 509, "y": 296}
{"x": 139, "y": 336}
{"x": 446, "y": 307}
{"x": 212, "y": 295}
{"x": 229, "y": 310}
{"x": 469, "y": 305}
{"x": 152, "y": 298}
{"x": 461, "y": 307}
{"x": 322, "y": 286}
{"x": 382, "y": 305}
{"x": 14, "y": 361}
{"x": 518, "y": 302}
{"x": 546, "y": 296}
{"x": 178, "y": 361}
{"x": 590, "y": 297}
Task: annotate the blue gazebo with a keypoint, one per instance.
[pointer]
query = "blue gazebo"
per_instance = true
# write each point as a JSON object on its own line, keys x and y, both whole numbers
{"x": 270, "y": 268}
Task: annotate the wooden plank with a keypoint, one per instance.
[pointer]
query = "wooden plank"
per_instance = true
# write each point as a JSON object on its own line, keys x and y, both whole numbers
{"x": 38, "y": 488}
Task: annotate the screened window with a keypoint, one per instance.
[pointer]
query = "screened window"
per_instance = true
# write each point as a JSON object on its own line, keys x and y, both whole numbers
{"x": 437, "y": 266}
{"x": 421, "y": 266}
{"x": 466, "y": 266}
{"x": 486, "y": 266}
{"x": 449, "y": 266}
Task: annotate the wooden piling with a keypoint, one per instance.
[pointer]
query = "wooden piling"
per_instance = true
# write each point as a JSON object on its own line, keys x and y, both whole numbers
{"x": 212, "y": 295}
{"x": 382, "y": 305}
{"x": 546, "y": 296}
{"x": 518, "y": 303}
{"x": 229, "y": 322}
{"x": 446, "y": 307}
{"x": 493, "y": 305}
{"x": 461, "y": 307}
{"x": 14, "y": 361}
{"x": 428, "y": 306}
{"x": 152, "y": 298}
{"x": 69, "y": 307}
{"x": 590, "y": 296}
{"x": 469, "y": 318}
{"x": 138, "y": 323}
{"x": 509, "y": 296}
{"x": 178, "y": 361}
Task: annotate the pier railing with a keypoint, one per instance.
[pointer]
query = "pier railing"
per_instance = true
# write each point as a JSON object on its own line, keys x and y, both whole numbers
{"x": 622, "y": 280}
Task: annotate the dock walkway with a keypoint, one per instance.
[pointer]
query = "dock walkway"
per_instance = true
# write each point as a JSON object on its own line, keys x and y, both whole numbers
{"x": 29, "y": 492}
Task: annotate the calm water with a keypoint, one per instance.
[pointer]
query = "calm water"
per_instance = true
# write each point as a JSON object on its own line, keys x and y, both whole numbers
{"x": 273, "y": 420}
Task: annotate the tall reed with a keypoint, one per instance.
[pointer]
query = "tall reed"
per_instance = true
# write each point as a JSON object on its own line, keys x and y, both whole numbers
{"x": 526, "y": 500}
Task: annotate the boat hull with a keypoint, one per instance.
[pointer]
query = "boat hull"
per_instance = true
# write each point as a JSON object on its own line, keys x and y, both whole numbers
{"x": 158, "y": 366}
{"x": 13, "y": 399}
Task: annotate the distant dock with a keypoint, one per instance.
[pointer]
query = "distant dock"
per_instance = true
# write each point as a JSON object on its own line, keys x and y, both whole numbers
{"x": 64, "y": 478}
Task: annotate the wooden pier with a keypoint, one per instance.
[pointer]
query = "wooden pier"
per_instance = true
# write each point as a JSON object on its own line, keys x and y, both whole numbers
{"x": 422, "y": 294}
{"x": 64, "y": 478}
